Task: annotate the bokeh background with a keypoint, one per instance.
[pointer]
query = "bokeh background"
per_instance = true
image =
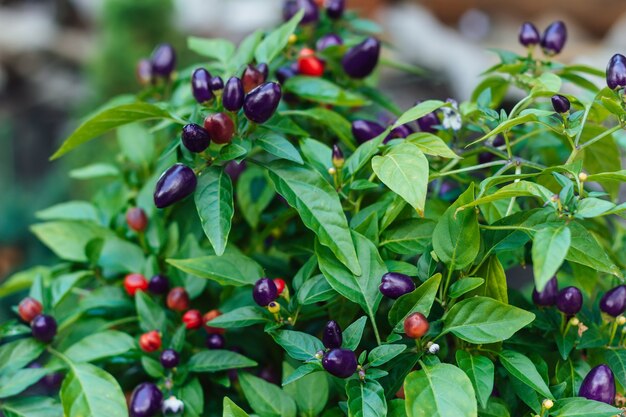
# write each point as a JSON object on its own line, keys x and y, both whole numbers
{"x": 60, "y": 59}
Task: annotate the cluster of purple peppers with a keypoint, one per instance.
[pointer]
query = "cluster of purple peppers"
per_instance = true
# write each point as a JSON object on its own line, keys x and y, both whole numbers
{"x": 336, "y": 360}
{"x": 161, "y": 65}
{"x": 334, "y": 10}
{"x": 552, "y": 41}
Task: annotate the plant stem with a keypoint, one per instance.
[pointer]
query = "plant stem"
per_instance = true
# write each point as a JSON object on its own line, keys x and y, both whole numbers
{"x": 472, "y": 168}
{"x": 376, "y": 333}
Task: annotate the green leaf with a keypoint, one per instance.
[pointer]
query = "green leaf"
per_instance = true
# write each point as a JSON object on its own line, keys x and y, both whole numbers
{"x": 516, "y": 189}
{"x": 366, "y": 399}
{"x": 100, "y": 345}
{"x": 408, "y": 237}
{"x": 151, "y": 315}
{"x": 585, "y": 250}
{"x": 254, "y": 194}
{"x": 137, "y": 144}
{"x": 593, "y": 207}
{"x": 384, "y": 353}
{"x": 31, "y": 407}
{"x": 431, "y": 145}
{"x": 363, "y": 289}
{"x": 582, "y": 407}
{"x": 19, "y": 353}
{"x": 218, "y": 49}
{"x": 310, "y": 402}
{"x": 90, "y": 391}
{"x": 109, "y": 119}
{"x": 522, "y": 368}
{"x": 482, "y": 320}
{"x": 266, "y": 399}
{"x": 353, "y": 333}
{"x": 319, "y": 208}
{"x": 616, "y": 360}
{"x": 277, "y": 145}
{"x": 608, "y": 176}
{"x": 550, "y": 245}
{"x": 97, "y": 170}
{"x": 480, "y": 371}
{"x": 218, "y": 360}
{"x": 301, "y": 372}
{"x": 495, "y": 285}
{"x": 442, "y": 390}
{"x": 320, "y": 90}
{"x": 464, "y": 285}
{"x": 277, "y": 40}
{"x": 506, "y": 125}
{"x": 363, "y": 154}
{"x": 404, "y": 169}
{"x": 70, "y": 210}
{"x": 240, "y": 317}
{"x": 420, "y": 110}
{"x": 314, "y": 290}
{"x": 300, "y": 346}
{"x": 228, "y": 269}
{"x": 192, "y": 395}
{"x": 233, "y": 410}
{"x": 456, "y": 239}
{"x": 421, "y": 300}
{"x": 214, "y": 202}
{"x": 13, "y": 384}
{"x": 152, "y": 367}
{"x": 330, "y": 120}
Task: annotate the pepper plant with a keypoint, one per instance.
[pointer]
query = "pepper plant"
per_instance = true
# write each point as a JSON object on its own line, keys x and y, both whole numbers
{"x": 278, "y": 238}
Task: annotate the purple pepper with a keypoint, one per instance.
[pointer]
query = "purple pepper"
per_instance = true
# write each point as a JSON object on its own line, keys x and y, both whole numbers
{"x": 361, "y": 59}
{"x": 327, "y": 41}
{"x": 285, "y": 73}
{"x": 169, "y": 358}
{"x": 337, "y": 157}
{"x": 195, "y": 137}
{"x": 232, "y": 97}
{"x": 251, "y": 78}
{"x": 44, "y": 328}
{"x": 144, "y": 71}
{"x": 613, "y": 302}
{"x": 216, "y": 83}
{"x": 364, "y": 130}
{"x": 234, "y": 169}
{"x": 554, "y": 38}
{"x": 311, "y": 11}
{"x": 176, "y": 183}
{"x": 263, "y": 69}
{"x": 270, "y": 375}
{"x": 215, "y": 341}
{"x": 200, "y": 85}
{"x": 332, "y": 338}
{"x": 340, "y": 362}
{"x": 560, "y": 103}
{"x": 261, "y": 103}
{"x": 616, "y": 72}
{"x": 428, "y": 122}
{"x": 400, "y": 132}
{"x": 529, "y": 35}
{"x": 395, "y": 285}
{"x": 335, "y": 8}
{"x": 599, "y": 385}
{"x": 569, "y": 300}
{"x": 159, "y": 285}
{"x": 547, "y": 297}
{"x": 264, "y": 292}
{"x": 146, "y": 400}
{"x": 163, "y": 60}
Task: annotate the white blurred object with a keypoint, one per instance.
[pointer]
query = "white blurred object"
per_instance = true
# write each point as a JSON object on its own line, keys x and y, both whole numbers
{"x": 475, "y": 24}
{"x": 26, "y": 28}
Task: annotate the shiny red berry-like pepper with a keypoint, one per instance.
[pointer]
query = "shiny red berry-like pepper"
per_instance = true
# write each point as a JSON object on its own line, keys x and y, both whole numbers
{"x": 192, "y": 319}
{"x": 134, "y": 283}
{"x": 177, "y": 299}
{"x": 416, "y": 325}
{"x": 150, "y": 341}
{"x": 208, "y": 316}
{"x": 29, "y": 308}
{"x": 136, "y": 219}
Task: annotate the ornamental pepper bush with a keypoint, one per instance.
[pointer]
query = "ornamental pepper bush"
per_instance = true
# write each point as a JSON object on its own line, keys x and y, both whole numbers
{"x": 278, "y": 238}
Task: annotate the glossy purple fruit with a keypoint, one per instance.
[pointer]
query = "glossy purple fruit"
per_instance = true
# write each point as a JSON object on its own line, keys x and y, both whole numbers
{"x": 554, "y": 38}
{"x": 44, "y": 328}
{"x": 327, "y": 41}
{"x": 364, "y": 130}
{"x": 261, "y": 103}
{"x": 529, "y": 35}
{"x": 337, "y": 156}
{"x": 569, "y": 300}
{"x": 163, "y": 60}
{"x": 264, "y": 292}
{"x": 263, "y": 69}
{"x": 400, "y": 132}
{"x": 232, "y": 97}
{"x": 395, "y": 285}
{"x": 159, "y": 285}
{"x": 332, "y": 338}
{"x": 616, "y": 72}
{"x": 176, "y": 183}
{"x": 200, "y": 85}
{"x": 285, "y": 73}
{"x": 547, "y": 297}
{"x": 428, "y": 123}
{"x": 560, "y": 103}
{"x": 144, "y": 71}
{"x": 335, "y": 8}
{"x": 234, "y": 169}
{"x": 146, "y": 400}
{"x": 215, "y": 341}
{"x": 311, "y": 11}
{"x": 613, "y": 302}
{"x": 195, "y": 137}
{"x": 169, "y": 358}
{"x": 599, "y": 385}
{"x": 252, "y": 78}
{"x": 340, "y": 362}
{"x": 216, "y": 83}
{"x": 361, "y": 59}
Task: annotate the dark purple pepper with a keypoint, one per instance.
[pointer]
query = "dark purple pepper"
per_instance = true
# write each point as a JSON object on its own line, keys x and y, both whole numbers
{"x": 144, "y": 71}
{"x": 285, "y": 73}
{"x": 327, "y": 41}
{"x": 335, "y": 8}
{"x": 216, "y": 83}
{"x": 215, "y": 341}
{"x": 361, "y": 59}
{"x": 44, "y": 328}
{"x": 616, "y": 72}
{"x": 195, "y": 137}
{"x": 234, "y": 169}
{"x": 560, "y": 103}
{"x": 251, "y": 78}
{"x": 311, "y": 11}
{"x": 337, "y": 157}
{"x": 613, "y": 302}
{"x": 332, "y": 338}
{"x": 498, "y": 141}
{"x": 264, "y": 292}
{"x": 270, "y": 375}
{"x": 159, "y": 285}
{"x": 261, "y": 103}
{"x": 364, "y": 130}
{"x": 169, "y": 358}
{"x": 554, "y": 38}
{"x": 263, "y": 69}
{"x": 220, "y": 126}
{"x": 569, "y": 300}
{"x": 547, "y": 297}
{"x": 146, "y": 400}
{"x": 163, "y": 60}
{"x": 428, "y": 122}
{"x": 395, "y": 285}
{"x": 529, "y": 35}
{"x": 200, "y": 85}
{"x": 52, "y": 381}
{"x": 400, "y": 132}
{"x": 340, "y": 362}
{"x": 176, "y": 183}
{"x": 485, "y": 157}
{"x": 599, "y": 385}
{"x": 232, "y": 97}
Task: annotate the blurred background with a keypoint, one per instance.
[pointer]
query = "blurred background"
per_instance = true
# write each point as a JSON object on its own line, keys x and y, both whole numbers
{"x": 60, "y": 59}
